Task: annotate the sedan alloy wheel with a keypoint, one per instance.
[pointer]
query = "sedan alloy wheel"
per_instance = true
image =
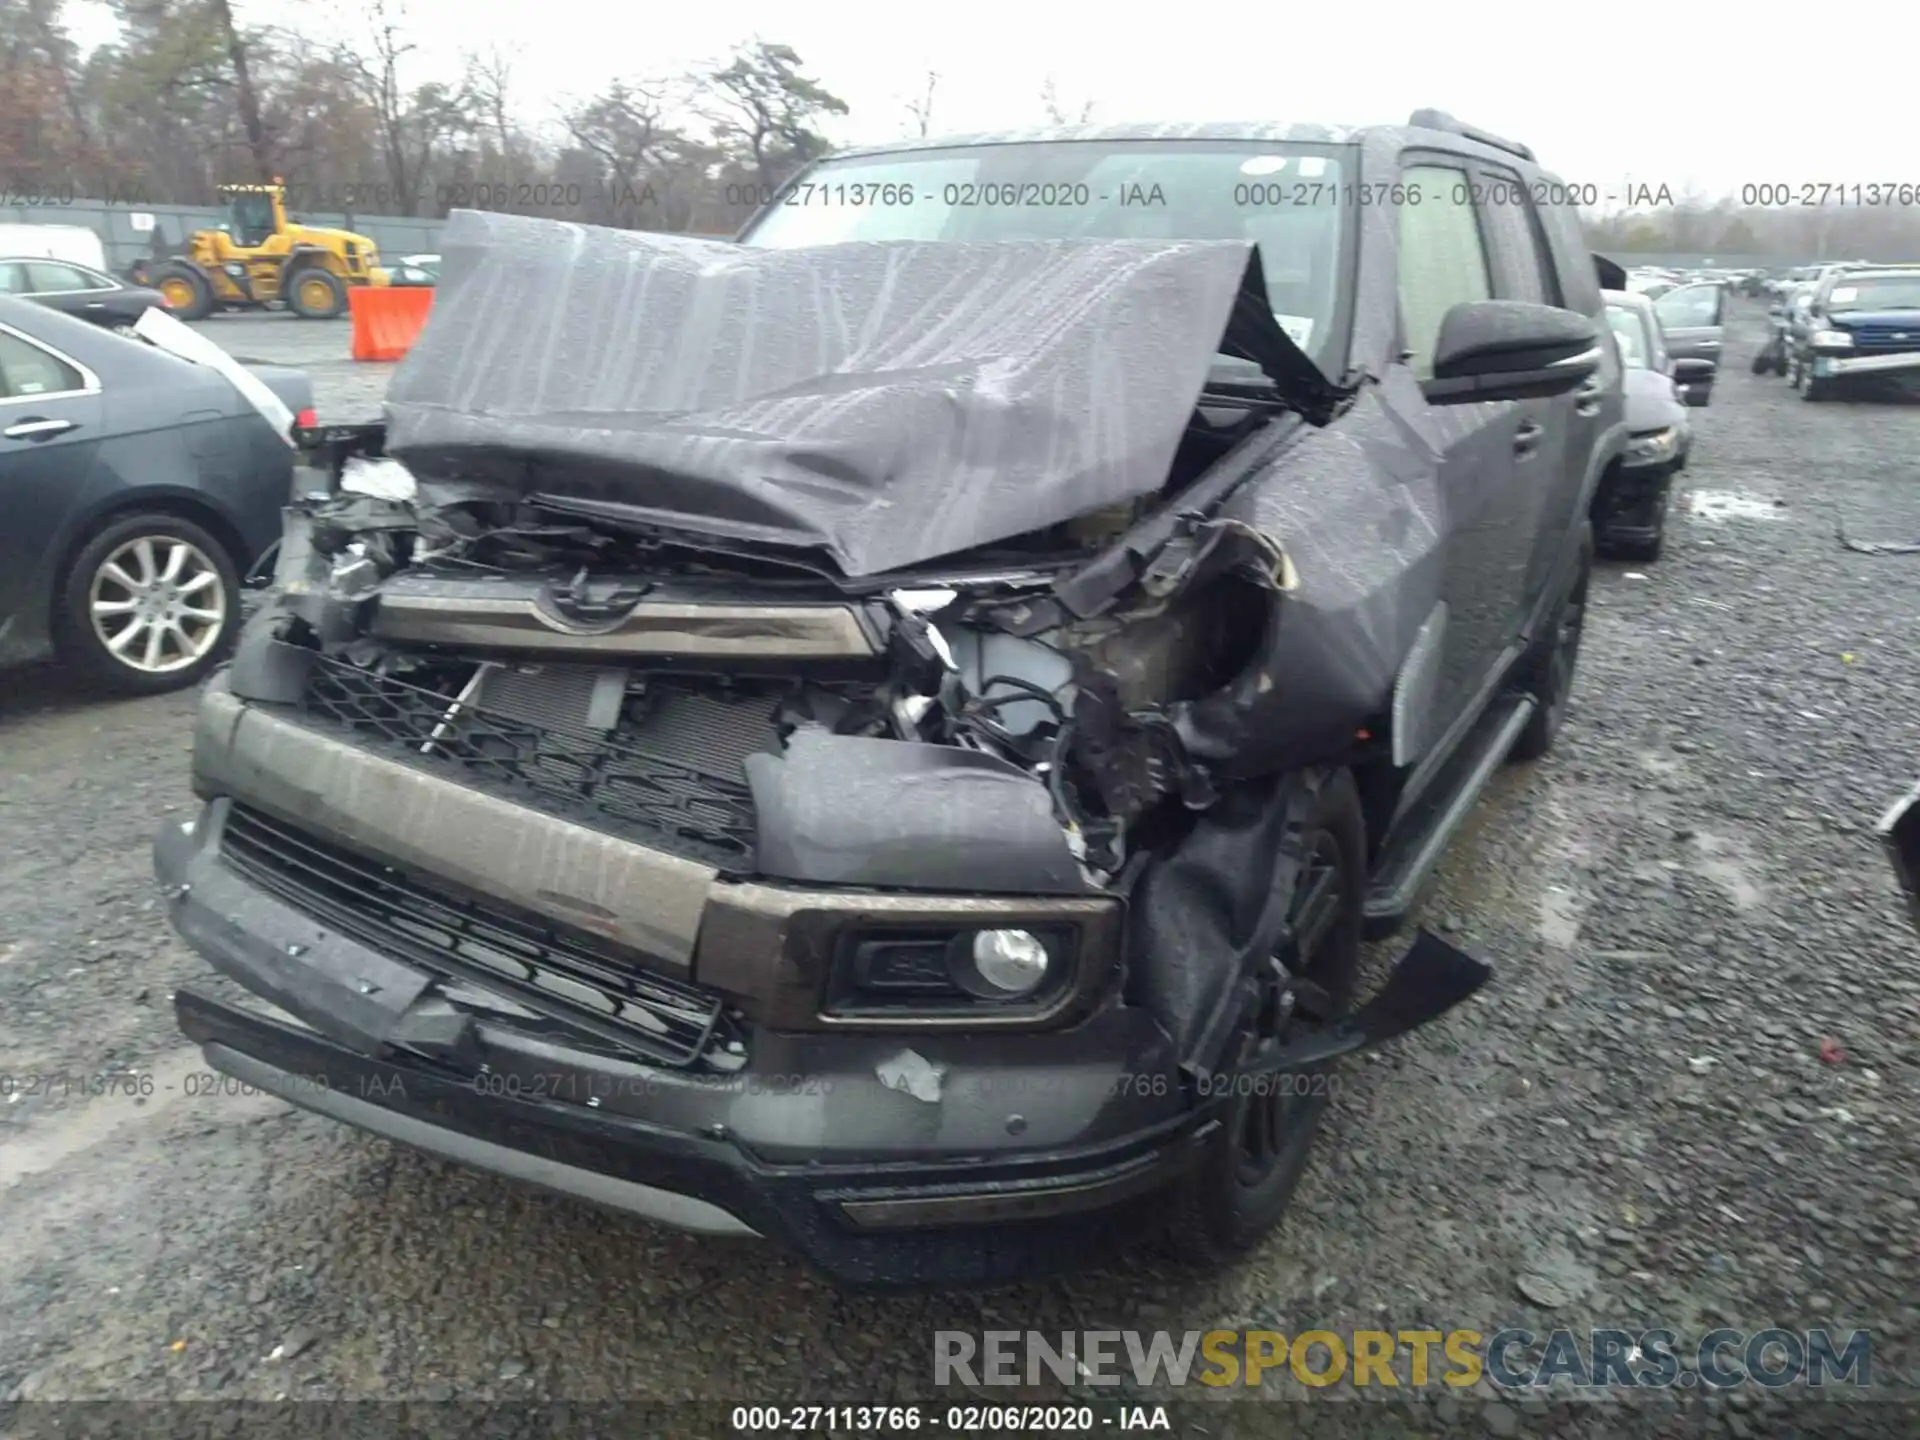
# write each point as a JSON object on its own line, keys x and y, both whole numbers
{"x": 157, "y": 604}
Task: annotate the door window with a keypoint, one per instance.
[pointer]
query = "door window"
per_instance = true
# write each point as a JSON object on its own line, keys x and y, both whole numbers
{"x": 1523, "y": 269}
{"x": 1443, "y": 259}
{"x": 1691, "y": 307}
{"x": 26, "y": 370}
{"x": 13, "y": 278}
{"x": 47, "y": 277}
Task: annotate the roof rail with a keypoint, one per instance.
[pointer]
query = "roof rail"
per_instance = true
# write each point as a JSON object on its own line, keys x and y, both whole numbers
{"x": 1440, "y": 120}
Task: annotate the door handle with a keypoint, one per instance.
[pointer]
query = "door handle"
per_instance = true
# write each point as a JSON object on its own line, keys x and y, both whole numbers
{"x": 37, "y": 427}
{"x": 96, "y": 304}
{"x": 1527, "y": 438}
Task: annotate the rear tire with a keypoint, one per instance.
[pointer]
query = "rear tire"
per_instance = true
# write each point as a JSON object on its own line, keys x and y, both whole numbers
{"x": 1548, "y": 667}
{"x": 188, "y": 293}
{"x": 150, "y": 604}
{"x": 315, "y": 294}
{"x": 1230, "y": 1201}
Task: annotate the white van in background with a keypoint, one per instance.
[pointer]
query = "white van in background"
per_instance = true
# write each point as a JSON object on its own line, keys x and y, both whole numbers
{"x": 75, "y": 243}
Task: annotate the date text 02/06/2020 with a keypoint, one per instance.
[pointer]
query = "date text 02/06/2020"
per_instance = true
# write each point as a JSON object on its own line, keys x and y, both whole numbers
{"x": 967, "y": 1419}
{"x": 193, "y": 1085}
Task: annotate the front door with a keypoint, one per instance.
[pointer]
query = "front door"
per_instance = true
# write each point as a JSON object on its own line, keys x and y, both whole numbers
{"x": 50, "y": 414}
{"x": 1491, "y": 454}
{"x": 1691, "y": 318}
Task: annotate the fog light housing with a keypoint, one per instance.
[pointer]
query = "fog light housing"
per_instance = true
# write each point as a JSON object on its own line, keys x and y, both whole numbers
{"x": 1003, "y": 964}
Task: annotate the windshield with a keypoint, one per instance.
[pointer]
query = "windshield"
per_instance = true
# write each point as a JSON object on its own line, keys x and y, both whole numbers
{"x": 1876, "y": 292}
{"x": 1630, "y": 330}
{"x": 1289, "y": 199}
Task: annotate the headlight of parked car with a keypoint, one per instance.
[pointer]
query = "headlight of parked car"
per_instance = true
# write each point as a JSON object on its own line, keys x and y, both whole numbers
{"x": 1653, "y": 446}
{"x": 1833, "y": 340}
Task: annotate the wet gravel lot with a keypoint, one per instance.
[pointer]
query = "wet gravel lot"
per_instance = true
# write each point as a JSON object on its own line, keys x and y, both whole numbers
{"x": 1633, "y": 1126}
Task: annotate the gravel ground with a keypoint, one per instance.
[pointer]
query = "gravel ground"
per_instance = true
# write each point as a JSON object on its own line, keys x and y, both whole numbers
{"x": 1682, "y": 906}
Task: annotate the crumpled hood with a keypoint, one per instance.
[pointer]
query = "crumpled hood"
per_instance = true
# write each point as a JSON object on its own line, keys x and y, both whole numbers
{"x": 889, "y": 402}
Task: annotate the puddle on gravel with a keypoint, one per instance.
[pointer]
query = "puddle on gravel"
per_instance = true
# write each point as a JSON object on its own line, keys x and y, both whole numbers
{"x": 1733, "y": 505}
{"x": 1720, "y": 862}
{"x": 1559, "y": 918}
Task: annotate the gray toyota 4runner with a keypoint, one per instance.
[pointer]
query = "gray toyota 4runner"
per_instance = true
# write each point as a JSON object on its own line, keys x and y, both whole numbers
{"x": 889, "y": 735}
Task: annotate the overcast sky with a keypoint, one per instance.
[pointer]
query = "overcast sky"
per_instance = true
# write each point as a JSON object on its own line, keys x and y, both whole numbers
{"x": 1668, "y": 94}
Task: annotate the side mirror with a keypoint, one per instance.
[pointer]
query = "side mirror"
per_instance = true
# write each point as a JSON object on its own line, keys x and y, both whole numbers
{"x": 1694, "y": 379}
{"x": 1511, "y": 350}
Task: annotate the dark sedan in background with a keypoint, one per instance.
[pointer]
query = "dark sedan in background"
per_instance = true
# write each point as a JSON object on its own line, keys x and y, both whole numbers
{"x": 136, "y": 489}
{"x": 76, "y": 290}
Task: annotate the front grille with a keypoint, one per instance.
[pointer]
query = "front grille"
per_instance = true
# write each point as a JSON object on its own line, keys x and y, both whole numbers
{"x": 668, "y": 791}
{"x": 586, "y": 985}
{"x": 1881, "y": 337}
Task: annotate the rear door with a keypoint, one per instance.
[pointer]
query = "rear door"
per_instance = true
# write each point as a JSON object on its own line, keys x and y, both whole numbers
{"x": 1488, "y": 452}
{"x": 1691, "y": 317}
{"x": 50, "y": 420}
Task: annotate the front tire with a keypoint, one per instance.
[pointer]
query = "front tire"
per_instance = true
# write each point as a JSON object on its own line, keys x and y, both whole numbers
{"x": 149, "y": 605}
{"x": 1814, "y": 389}
{"x": 316, "y": 294}
{"x": 1229, "y": 1202}
{"x": 188, "y": 293}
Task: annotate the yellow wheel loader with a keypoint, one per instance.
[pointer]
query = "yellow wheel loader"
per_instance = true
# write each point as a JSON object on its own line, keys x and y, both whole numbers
{"x": 260, "y": 259}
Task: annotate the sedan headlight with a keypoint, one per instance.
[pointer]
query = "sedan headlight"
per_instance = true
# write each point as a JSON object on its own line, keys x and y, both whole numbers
{"x": 1832, "y": 340}
{"x": 1654, "y": 446}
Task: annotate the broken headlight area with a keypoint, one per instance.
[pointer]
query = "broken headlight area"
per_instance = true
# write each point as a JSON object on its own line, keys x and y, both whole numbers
{"x": 746, "y": 710}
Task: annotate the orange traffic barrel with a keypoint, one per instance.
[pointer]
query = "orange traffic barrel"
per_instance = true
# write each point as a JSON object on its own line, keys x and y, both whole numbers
{"x": 387, "y": 319}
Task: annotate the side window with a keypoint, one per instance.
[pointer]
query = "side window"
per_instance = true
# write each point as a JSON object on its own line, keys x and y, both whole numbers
{"x": 13, "y": 278}
{"x": 47, "y": 276}
{"x": 27, "y": 370}
{"x": 1443, "y": 260}
{"x": 1523, "y": 267}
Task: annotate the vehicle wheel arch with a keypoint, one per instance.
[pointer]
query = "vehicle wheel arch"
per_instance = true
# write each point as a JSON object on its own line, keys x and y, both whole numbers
{"x": 1242, "y": 833}
{"x": 180, "y": 504}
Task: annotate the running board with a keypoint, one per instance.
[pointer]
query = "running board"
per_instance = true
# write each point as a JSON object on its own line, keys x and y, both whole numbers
{"x": 1422, "y": 836}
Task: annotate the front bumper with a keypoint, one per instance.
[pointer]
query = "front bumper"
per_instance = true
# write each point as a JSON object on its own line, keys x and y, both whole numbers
{"x": 1003, "y": 1153}
{"x": 1829, "y": 365}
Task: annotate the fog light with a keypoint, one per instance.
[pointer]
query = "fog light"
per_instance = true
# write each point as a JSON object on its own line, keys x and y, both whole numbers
{"x": 1011, "y": 962}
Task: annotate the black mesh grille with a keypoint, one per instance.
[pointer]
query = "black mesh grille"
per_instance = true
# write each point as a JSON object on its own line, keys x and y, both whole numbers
{"x": 671, "y": 794}
{"x": 584, "y": 984}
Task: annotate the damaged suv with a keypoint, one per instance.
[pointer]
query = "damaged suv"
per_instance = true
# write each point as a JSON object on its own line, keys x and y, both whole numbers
{"x": 889, "y": 735}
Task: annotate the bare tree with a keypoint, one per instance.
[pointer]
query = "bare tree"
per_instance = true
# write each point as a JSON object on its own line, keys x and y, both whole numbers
{"x": 762, "y": 102}
{"x": 489, "y": 78}
{"x": 1057, "y": 113}
{"x": 413, "y": 124}
{"x": 921, "y": 109}
{"x": 246, "y": 98}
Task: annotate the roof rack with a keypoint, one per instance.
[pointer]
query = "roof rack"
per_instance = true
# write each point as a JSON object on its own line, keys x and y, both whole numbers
{"x": 1440, "y": 120}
